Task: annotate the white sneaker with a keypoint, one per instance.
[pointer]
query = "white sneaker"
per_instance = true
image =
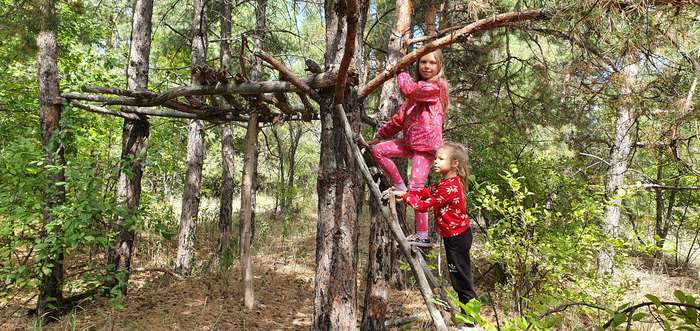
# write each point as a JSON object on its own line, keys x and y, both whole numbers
{"x": 470, "y": 328}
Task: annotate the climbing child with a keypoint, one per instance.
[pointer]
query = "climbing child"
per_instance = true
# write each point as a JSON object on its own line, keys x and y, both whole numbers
{"x": 448, "y": 200}
{"x": 420, "y": 118}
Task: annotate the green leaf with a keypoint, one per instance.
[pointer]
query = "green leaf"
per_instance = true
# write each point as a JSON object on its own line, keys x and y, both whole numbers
{"x": 639, "y": 316}
{"x": 653, "y": 299}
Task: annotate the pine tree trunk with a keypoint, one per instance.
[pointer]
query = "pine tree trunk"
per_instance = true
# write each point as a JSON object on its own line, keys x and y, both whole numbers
{"x": 227, "y": 186}
{"x": 50, "y": 293}
{"x": 338, "y": 186}
{"x": 619, "y": 163}
{"x": 250, "y": 164}
{"x": 134, "y": 146}
{"x": 227, "y": 150}
{"x": 248, "y": 209}
{"x": 379, "y": 265}
{"x": 294, "y": 139}
{"x": 195, "y": 152}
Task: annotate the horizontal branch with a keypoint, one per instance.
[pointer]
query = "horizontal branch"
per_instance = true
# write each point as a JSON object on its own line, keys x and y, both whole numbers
{"x": 453, "y": 37}
{"x": 132, "y": 113}
{"x": 247, "y": 88}
{"x": 661, "y": 187}
{"x": 103, "y": 111}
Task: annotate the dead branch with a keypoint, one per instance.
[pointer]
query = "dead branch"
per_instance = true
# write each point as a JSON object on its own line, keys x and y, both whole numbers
{"x": 662, "y": 187}
{"x": 348, "y": 52}
{"x": 104, "y": 111}
{"x": 246, "y": 88}
{"x": 453, "y": 37}
{"x": 288, "y": 74}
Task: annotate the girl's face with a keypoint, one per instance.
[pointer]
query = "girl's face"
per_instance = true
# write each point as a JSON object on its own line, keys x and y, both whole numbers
{"x": 428, "y": 66}
{"x": 444, "y": 164}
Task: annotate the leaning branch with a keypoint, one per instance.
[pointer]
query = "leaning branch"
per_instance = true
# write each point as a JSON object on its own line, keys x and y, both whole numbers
{"x": 453, "y": 37}
{"x": 288, "y": 74}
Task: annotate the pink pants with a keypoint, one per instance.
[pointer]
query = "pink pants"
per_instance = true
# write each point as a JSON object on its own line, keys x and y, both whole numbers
{"x": 420, "y": 169}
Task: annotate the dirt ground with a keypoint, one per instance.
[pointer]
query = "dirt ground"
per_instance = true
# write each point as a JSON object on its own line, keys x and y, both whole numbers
{"x": 158, "y": 300}
{"x": 283, "y": 284}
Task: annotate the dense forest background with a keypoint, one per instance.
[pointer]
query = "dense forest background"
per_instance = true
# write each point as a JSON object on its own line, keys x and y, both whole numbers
{"x": 582, "y": 129}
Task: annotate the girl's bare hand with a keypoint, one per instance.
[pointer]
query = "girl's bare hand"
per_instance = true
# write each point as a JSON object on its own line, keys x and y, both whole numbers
{"x": 373, "y": 141}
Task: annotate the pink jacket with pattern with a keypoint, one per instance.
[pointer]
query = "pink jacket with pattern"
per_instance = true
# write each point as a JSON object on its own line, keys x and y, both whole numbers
{"x": 421, "y": 116}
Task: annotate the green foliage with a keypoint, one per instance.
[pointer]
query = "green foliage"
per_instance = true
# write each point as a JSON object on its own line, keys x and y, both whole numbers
{"x": 540, "y": 249}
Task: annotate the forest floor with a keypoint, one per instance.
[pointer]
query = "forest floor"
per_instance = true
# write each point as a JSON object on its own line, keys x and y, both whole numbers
{"x": 284, "y": 271}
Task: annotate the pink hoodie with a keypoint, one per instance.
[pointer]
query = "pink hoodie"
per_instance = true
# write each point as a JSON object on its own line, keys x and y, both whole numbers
{"x": 421, "y": 116}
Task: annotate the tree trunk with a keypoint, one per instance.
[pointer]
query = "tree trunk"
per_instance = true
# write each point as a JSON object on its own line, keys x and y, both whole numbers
{"x": 281, "y": 192}
{"x": 50, "y": 294}
{"x": 338, "y": 186}
{"x": 250, "y": 164}
{"x": 294, "y": 139}
{"x": 195, "y": 152}
{"x": 379, "y": 265}
{"x": 227, "y": 150}
{"x": 619, "y": 163}
{"x": 134, "y": 146}
{"x": 227, "y": 186}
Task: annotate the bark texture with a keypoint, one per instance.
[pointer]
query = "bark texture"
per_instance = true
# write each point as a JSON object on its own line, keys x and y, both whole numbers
{"x": 619, "y": 163}
{"x": 135, "y": 133}
{"x": 195, "y": 152}
{"x": 227, "y": 150}
{"x": 50, "y": 293}
{"x": 250, "y": 163}
{"x": 338, "y": 186}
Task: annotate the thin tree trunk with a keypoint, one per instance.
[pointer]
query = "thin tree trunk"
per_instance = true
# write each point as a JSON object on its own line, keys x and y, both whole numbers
{"x": 379, "y": 265}
{"x": 248, "y": 209}
{"x": 227, "y": 150}
{"x": 431, "y": 18}
{"x": 248, "y": 190}
{"x": 195, "y": 152}
{"x": 281, "y": 192}
{"x": 619, "y": 163}
{"x": 50, "y": 293}
{"x": 134, "y": 146}
{"x": 227, "y": 186}
{"x": 338, "y": 189}
{"x": 294, "y": 139}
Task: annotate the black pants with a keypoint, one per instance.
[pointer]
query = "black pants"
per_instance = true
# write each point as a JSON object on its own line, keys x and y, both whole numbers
{"x": 459, "y": 264}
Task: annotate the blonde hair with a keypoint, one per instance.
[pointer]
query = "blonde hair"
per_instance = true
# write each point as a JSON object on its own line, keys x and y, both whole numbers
{"x": 439, "y": 78}
{"x": 459, "y": 153}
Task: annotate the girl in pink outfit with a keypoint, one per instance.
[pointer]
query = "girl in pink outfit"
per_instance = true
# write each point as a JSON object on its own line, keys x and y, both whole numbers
{"x": 420, "y": 118}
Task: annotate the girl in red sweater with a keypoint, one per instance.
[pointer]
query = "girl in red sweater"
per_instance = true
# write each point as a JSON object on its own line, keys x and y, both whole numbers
{"x": 447, "y": 199}
{"x": 420, "y": 119}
